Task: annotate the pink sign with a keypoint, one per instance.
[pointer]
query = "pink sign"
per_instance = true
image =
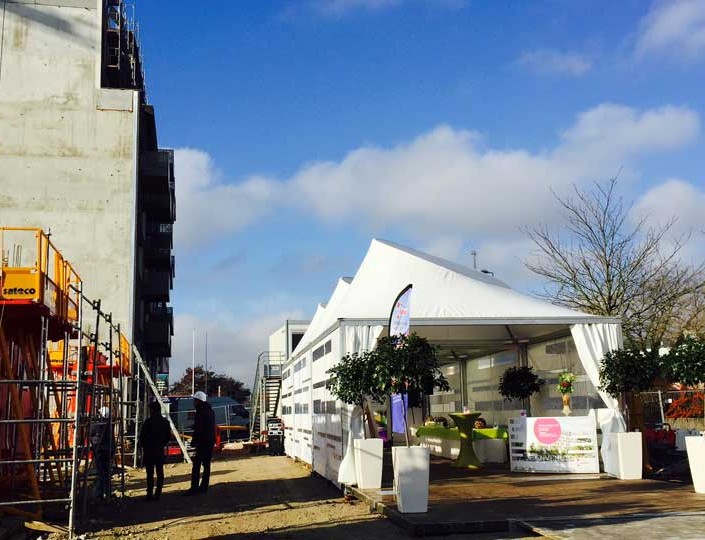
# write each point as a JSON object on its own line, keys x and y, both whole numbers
{"x": 547, "y": 430}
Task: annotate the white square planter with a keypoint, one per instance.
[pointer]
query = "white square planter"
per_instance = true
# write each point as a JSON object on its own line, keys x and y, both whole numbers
{"x": 695, "y": 446}
{"x": 625, "y": 456}
{"x": 368, "y": 463}
{"x": 411, "y": 470}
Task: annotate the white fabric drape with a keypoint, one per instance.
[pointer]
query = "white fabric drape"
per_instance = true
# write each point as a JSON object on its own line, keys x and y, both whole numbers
{"x": 346, "y": 472}
{"x": 592, "y": 341}
{"x": 356, "y": 338}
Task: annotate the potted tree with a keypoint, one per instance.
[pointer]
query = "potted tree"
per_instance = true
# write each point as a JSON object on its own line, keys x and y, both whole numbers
{"x": 685, "y": 363}
{"x": 407, "y": 365}
{"x": 520, "y": 382}
{"x": 351, "y": 382}
{"x": 623, "y": 374}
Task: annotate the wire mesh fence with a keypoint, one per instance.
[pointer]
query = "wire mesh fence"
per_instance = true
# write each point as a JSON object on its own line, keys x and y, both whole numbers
{"x": 680, "y": 409}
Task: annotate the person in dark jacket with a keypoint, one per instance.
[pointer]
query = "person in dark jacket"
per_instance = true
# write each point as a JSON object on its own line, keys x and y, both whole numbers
{"x": 203, "y": 441}
{"x": 154, "y": 436}
{"x": 103, "y": 449}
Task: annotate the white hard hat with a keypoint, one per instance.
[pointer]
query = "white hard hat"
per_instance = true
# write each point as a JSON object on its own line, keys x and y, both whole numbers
{"x": 201, "y": 396}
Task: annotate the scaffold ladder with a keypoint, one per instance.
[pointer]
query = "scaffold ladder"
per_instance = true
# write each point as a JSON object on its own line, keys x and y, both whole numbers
{"x": 148, "y": 378}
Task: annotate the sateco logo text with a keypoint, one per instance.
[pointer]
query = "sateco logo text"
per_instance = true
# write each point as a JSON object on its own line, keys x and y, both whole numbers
{"x": 19, "y": 291}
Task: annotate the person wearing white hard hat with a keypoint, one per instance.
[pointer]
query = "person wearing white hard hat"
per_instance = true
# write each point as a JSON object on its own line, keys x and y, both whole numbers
{"x": 203, "y": 441}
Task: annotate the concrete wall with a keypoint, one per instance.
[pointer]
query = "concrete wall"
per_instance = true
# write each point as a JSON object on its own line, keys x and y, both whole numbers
{"x": 67, "y": 147}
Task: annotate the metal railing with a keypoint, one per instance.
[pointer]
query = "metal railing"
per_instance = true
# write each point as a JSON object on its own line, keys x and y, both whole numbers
{"x": 269, "y": 368}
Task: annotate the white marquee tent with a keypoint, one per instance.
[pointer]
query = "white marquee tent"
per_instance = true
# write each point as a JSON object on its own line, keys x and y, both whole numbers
{"x": 450, "y": 304}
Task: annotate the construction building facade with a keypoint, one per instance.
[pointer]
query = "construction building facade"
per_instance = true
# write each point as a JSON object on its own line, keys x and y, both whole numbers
{"x": 79, "y": 158}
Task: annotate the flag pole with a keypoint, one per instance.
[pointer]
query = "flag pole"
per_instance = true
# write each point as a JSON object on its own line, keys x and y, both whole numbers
{"x": 193, "y": 362}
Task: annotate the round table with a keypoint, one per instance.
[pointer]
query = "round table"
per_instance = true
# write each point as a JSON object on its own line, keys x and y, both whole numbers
{"x": 467, "y": 458}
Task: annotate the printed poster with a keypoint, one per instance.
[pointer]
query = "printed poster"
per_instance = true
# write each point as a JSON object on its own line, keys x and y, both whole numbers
{"x": 553, "y": 445}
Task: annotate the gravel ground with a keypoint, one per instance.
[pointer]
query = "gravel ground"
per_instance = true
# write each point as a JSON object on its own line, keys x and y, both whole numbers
{"x": 251, "y": 496}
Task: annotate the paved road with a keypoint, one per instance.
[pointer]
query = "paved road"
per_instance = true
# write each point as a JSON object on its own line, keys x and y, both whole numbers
{"x": 672, "y": 527}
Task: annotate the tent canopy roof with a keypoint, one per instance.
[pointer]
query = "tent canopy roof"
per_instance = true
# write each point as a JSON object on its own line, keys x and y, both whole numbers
{"x": 445, "y": 294}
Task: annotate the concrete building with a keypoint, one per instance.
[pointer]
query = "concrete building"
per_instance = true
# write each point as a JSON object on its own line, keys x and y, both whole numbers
{"x": 79, "y": 157}
{"x": 284, "y": 340}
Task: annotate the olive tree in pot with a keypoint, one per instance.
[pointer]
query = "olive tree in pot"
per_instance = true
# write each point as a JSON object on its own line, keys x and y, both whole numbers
{"x": 624, "y": 373}
{"x": 407, "y": 365}
{"x": 351, "y": 381}
{"x": 685, "y": 363}
{"x": 520, "y": 382}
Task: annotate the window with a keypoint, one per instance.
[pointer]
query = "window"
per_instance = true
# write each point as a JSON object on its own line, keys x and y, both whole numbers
{"x": 295, "y": 340}
{"x": 443, "y": 403}
{"x": 321, "y": 351}
{"x": 548, "y": 360}
{"x": 483, "y": 375}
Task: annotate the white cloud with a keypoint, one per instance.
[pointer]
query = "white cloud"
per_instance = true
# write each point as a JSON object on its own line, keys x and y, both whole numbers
{"x": 675, "y": 198}
{"x": 207, "y": 206}
{"x": 449, "y": 247}
{"x": 232, "y": 346}
{"x": 610, "y": 133}
{"x": 445, "y": 182}
{"x": 340, "y": 7}
{"x": 549, "y": 62}
{"x": 674, "y": 28}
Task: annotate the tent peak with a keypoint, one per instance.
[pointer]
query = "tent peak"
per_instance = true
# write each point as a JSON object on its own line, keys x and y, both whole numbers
{"x": 445, "y": 263}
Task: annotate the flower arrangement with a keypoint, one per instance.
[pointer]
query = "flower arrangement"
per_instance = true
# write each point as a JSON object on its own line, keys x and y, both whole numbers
{"x": 565, "y": 382}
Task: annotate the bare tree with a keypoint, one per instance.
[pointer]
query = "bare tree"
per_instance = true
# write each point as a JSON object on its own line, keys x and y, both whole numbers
{"x": 603, "y": 266}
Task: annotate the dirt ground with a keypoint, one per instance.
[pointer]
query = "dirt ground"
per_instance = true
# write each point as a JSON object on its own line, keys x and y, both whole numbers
{"x": 251, "y": 496}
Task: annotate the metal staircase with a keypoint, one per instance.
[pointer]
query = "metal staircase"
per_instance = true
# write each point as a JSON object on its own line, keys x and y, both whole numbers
{"x": 266, "y": 391}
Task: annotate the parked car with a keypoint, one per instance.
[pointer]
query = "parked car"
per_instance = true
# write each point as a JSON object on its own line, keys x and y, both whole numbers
{"x": 227, "y": 411}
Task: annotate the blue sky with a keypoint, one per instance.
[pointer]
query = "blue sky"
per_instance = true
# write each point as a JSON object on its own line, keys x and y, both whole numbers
{"x": 303, "y": 129}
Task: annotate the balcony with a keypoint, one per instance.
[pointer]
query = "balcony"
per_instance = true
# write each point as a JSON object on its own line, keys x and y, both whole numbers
{"x": 158, "y": 245}
{"x": 157, "y": 185}
{"x": 160, "y": 206}
{"x": 159, "y": 236}
{"x": 157, "y": 349}
{"x": 158, "y": 332}
{"x": 157, "y": 166}
{"x": 156, "y": 285}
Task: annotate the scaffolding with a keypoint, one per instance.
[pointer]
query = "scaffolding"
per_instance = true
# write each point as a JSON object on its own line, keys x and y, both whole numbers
{"x": 122, "y": 56}
{"x": 65, "y": 372}
{"x": 266, "y": 393}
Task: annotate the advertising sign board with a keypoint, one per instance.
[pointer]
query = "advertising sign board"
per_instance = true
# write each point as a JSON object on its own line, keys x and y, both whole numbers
{"x": 553, "y": 444}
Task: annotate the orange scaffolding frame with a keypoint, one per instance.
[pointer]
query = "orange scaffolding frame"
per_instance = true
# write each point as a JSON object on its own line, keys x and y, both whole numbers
{"x": 54, "y": 377}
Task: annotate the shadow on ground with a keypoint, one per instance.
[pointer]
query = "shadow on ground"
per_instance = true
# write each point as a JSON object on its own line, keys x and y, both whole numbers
{"x": 223, "y": 497}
